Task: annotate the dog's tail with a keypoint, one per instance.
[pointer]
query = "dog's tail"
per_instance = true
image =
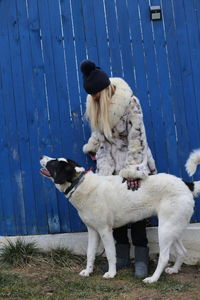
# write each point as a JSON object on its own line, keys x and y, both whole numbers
{"x": 191, "y": 166}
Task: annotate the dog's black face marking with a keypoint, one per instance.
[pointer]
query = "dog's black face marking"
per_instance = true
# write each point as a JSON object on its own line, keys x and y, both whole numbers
{"x": 61, "y": 171}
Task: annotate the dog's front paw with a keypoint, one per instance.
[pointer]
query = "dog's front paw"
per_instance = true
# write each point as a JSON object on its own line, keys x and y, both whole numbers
{"x": 109, "y": 275}
{"x": 84, "y": 273}
{"x": 149, "y": 280}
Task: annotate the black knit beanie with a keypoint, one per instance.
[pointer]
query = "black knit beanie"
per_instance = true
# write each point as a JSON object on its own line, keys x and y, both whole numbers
{"x": 94, "y": 79}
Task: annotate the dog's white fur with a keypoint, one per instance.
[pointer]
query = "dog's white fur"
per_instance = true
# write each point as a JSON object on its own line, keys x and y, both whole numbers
{"x": 104, "y": 203}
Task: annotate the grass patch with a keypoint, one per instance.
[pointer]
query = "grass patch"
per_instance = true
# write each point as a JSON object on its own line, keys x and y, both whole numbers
{"x": 59, "y": 284}
{"x": 63, "y": 257}
{"x": 169, "y": 285}
{"x": 165, "y": 284}
{"x": 55, "y": 275}
{"x": 18, "y": 253}
{"x": 14, "y": 286}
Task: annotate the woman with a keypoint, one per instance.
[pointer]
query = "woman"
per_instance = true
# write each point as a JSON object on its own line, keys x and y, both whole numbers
{"x": 119, "y": 146}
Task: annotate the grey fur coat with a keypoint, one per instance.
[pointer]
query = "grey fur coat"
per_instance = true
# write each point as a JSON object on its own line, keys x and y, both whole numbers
{"x": 127, "y": 152}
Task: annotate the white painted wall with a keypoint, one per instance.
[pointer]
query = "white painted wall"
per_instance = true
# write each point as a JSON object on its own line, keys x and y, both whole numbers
{"x": 77, "y": 242}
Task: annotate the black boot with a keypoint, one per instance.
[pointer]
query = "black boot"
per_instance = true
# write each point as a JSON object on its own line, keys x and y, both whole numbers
{"x": 123, "y": 257}
{"x": 141, "y": 261}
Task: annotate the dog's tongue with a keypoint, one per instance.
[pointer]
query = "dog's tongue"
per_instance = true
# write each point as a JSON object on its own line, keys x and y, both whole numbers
{"x": 45, "y": 172}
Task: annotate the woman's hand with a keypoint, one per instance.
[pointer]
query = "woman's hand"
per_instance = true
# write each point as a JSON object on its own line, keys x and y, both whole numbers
{"x": 132, "y": 183}
{"x": 92, "y": 155}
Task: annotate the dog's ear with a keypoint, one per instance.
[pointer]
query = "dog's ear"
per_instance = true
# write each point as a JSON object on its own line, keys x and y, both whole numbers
{"x": 78, "y": 168}
{"x": 73, "y": 163}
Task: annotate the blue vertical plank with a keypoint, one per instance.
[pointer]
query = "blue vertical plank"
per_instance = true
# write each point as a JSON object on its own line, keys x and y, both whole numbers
{"x": 165, "y": 92}
{"x": 7, "y": 186}
{"x": 153, "y": 84}
{"x": 197, "y": 12}
{"x": 193, "y": 32}
{"x": 77, "y": 38}
{"x": 186, "y": 76}
{"x": 22, "y": 154}
{"x": 75, "y": 34}
{"x": 63, "y": 102}
{"x": 113, "y": 35}
{"x": 125, "y": 42}
{"x": 58, "y": 61}
{"x": 194, "y": 51}
{"x": 61, "y": 73}
{"x": 101, "y": 36}
{"x": 62, "y": 93}
{"x": 91, "y": 39}
{"x": 75, "y": 52}
{"x": 85, "y": 40}
{"x": 52, "y": 102}
{"x": 40, "y": 114}
{"x": 177, "y": 91}
{"x": 29, "y": 107}
{"x": 7, "y": 214}
{"x": 49, "y": 67}
{"x": 73, "y": 104}
{"x": 176, "y": 85}
{"x": 89, "y": 28}
{"x": 3, "y": 157}
{"x": 141, "y": 88}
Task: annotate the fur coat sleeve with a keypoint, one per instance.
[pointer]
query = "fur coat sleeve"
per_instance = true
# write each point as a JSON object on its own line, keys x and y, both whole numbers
{"x": 93, "y": 143}
{"x": 105, "y": 162}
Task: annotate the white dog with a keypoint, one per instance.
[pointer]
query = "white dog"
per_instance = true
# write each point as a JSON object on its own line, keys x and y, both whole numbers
{"x": 104, "y": 203}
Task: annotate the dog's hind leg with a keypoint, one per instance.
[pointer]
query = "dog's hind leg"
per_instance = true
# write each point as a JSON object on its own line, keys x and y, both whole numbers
{"x": 93, "y": 239}
{"x": 165, "y": 242}
{"x": 180, "y": 254}
{"x": 181, "y": 249}
{"x": 110, "y": 250}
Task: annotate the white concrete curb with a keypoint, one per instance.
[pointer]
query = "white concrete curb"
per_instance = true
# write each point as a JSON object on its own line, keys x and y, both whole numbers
{"x": 77, "y": 242}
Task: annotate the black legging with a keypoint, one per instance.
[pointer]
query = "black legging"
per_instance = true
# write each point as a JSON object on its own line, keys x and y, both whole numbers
{"x": 138, "y": 234}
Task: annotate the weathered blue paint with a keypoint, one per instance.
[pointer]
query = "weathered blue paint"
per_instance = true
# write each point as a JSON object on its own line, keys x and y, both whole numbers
{"x": 42, "y": 101}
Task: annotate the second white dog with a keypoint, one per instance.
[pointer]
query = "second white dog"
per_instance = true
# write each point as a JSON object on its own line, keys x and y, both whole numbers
{"x": 104, "y": 203}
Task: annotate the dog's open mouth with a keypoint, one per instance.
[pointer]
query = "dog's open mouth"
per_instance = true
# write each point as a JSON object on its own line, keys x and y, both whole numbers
{"x": 45, "y": 172}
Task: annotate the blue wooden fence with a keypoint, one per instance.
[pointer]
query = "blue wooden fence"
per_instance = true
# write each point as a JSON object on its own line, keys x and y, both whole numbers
{"x": 42, "y": 102}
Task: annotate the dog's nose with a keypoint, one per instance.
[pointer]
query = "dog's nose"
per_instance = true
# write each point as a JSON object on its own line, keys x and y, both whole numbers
{"x": 41, "y": 157}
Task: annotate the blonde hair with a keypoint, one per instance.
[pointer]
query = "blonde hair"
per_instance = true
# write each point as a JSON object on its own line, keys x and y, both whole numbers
{"x": 97, "y": 111}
